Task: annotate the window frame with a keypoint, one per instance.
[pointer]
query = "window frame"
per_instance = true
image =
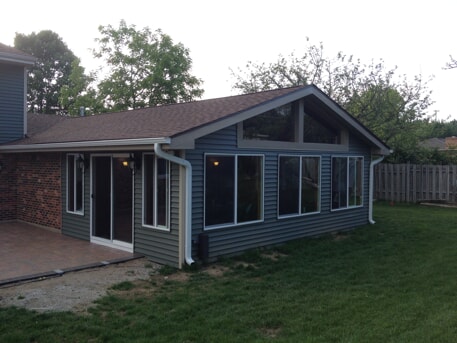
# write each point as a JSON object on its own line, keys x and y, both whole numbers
{"x": 300, "y": 173}
{"x": 235, "y": 195}
{"x": 75, "y": 158}
{"x": 155, "y": 225}
{"x": 348, "y": 206}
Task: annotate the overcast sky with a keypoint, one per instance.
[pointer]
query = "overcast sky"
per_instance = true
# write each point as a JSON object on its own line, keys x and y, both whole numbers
{"x": 416, "y": 35}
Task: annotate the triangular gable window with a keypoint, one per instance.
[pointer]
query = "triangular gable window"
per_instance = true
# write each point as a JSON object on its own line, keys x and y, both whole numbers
{"x": 316, "y": 132}
{"x": 275, "y": 125}
{"x": 290, "y": 123}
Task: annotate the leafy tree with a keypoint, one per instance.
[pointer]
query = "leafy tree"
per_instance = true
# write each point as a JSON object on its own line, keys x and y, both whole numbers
{"x": 145, "y": 68}
{"x": 51, "y": 70}
{"x": 388, "y": 104}
{"x": 451, "y": 64}
{"x": 78, "y": 92}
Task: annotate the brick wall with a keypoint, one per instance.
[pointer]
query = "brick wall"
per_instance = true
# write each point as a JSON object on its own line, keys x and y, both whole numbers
{"x": 38, "y": 189}
{"x": 8, "y": 200}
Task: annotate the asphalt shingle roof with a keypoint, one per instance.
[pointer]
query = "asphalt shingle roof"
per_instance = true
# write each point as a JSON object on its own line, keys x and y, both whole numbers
{"x": 153, "y": 122}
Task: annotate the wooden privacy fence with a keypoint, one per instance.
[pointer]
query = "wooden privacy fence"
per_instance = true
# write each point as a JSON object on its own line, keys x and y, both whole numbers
{"x": 414, "y": 183}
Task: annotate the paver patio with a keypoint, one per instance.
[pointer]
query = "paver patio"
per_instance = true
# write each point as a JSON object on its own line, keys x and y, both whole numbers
{"x": 28, "y": 252}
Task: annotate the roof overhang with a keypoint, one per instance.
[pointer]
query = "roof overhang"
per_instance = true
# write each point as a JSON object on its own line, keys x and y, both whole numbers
{"x": 187, "y": 139}
{"x": 116, "y": 145}
{"x": 24, "y": 60}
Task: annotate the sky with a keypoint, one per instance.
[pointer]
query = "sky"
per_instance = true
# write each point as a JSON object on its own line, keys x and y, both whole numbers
{"x": 417, "y": 36}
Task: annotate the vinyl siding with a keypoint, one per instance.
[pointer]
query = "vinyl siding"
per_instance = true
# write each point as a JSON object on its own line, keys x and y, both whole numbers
{"x": 235, "y": 239}
{"x": 11, "y": 102}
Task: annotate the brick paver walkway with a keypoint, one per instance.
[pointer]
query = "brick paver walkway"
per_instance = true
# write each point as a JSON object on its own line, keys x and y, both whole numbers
{"x": 27, "y": 252}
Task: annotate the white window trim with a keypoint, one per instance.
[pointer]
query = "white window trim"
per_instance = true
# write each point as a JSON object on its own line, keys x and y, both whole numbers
{"x": 235, "y": 202}
{"x": 347, "y": 207}
{"x": 80, "y": 213}
{"x": 300, "y": 214}
{"x": 155, "y": 226}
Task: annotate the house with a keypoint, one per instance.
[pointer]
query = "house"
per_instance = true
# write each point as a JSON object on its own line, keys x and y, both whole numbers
{"x": 194, "y": 181}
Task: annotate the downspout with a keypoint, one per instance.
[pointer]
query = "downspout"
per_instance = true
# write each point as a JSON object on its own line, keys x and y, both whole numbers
{"x": 371, "y": 190}
{"x": 188, "y": 199}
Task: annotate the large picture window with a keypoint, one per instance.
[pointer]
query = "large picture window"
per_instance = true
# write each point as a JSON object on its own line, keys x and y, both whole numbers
{"x": 298, "y": 185}
{"x": 233, "y": 189}
{"x": 75, "y": 184}
{"x": 347, "y": 181}
{"x": 275, "y": 125}
{"x": 156, "y": 191}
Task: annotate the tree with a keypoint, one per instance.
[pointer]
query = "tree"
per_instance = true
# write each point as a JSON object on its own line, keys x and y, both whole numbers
{"x": 78, "y": 92}
{"x": 386, "y": 103}
{"x": 146, "y": 68}
{"x": 51, "y": 70}
{"x": 451, "y": 64}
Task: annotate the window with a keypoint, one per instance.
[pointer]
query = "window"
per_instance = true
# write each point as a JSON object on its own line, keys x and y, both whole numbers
{"x": 347, "y": 180}
{"x": 275, "y": 125}
{"x": 298, "y": 185}
{"x": 75, "y": 184}
{"x": 156, "y": 191}
{"x": 316, "y": 132}
{"x": 233, "y": 189}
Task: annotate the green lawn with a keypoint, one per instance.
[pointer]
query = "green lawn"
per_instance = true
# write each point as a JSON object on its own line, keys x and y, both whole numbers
{"x": 395, "y": 281}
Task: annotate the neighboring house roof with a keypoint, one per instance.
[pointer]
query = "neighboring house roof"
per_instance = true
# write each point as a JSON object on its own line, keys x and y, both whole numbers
{"x": 433, "y": 143}
{"x": 442, "y": 144}
{"x": 177, "y": 123}
{"x": 14, "y": 56}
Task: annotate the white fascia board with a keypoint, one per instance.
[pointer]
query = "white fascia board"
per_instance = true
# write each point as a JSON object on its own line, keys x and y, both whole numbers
{"x": 17, "y": 59}
{"x": 118, "y": 144}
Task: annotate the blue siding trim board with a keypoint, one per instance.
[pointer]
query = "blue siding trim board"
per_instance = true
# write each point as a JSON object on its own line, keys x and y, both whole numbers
{"x": 11, "y": 102}
{"x": 235, "y": 239}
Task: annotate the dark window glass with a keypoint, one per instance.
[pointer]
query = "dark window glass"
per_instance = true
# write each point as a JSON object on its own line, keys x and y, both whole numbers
{"x": 355, "y": 181}
{"x": 148, "y": 184}
{"x": 74, "y": 184}
{"x": 316, "y": 132}
{"x": 219, "y": 190}
{"x": 156, "y": 181}
{"x": 162, "y": 191}
{"x": 275, "y": 125}
{"x": 339, "y": 182}
{"x": 289, "y": 183}
{"x": 310, "y": 184}
{"x": 71, "y": 184}
{"x": 249, "y": 201}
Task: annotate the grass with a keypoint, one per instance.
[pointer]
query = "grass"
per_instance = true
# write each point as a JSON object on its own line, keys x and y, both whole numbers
{"x": 395, "y": 281}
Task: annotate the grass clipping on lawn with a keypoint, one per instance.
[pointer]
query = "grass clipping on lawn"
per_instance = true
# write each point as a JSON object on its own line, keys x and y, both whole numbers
{"x": 393, "y": 281}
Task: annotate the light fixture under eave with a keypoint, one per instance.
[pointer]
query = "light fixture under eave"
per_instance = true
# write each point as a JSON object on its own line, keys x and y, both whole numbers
{"x": 82, "y": 162}
{"x": 216, "y": 163}
{"x": 125, "y": 163}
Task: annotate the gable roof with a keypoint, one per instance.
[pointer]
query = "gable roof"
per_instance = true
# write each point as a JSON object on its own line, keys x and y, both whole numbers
{"x": 14, "y": 56}
{"x": 172, "y": 123}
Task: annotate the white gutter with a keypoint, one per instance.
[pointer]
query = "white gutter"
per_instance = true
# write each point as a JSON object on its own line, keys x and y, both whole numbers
{"x": 85, "y": 145}
{"x": 188, "y": 199}
{"x": 371, "y": 190}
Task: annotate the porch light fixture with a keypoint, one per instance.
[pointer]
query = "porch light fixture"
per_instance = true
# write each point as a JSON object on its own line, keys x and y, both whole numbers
{"x": 133, "y": 162}
{"x": 82, "y": 162}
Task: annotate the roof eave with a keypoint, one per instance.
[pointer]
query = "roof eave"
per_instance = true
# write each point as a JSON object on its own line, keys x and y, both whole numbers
{"x": 17, "y": 59}
{"x": 115, "y": 144}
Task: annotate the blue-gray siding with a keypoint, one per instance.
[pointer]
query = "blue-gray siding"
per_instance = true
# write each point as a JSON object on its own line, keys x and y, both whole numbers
{"x": 11, "y": 102}
{"x": 231, "y": 240}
